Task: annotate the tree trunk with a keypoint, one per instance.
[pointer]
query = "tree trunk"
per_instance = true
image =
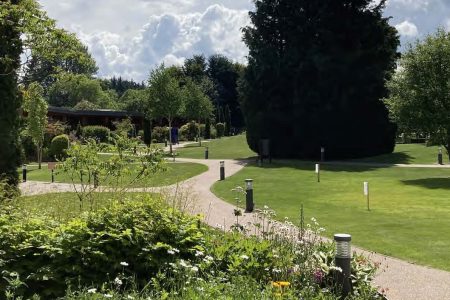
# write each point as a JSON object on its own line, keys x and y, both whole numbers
{"x": 170, "y": 135}
{"x": 199, "y": 136}
{"x": 39, "y": 155}
{"x": 447, "y": 147}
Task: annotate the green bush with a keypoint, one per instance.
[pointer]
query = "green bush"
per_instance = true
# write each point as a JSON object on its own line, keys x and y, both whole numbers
{"x": 135, "y": 237}
{"x": 220, "y": 128}
{"x": 59, "y": 146}
{"x": 160, "y": 134}
{"x": 189, "y": 131}
{"x": 99, "y": 133}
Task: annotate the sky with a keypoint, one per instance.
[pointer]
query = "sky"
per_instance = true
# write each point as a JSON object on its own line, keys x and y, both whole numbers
{"x": 128, "y": 38}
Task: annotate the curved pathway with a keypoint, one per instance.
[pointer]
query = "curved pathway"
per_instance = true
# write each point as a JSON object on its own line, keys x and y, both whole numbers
{"x": 399, "y": 279}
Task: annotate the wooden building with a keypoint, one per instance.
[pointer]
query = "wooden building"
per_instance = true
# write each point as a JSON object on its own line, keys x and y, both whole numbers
{"x": 104, "y": 117}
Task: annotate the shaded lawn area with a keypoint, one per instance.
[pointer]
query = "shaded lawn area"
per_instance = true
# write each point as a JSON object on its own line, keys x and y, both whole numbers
{"x": 175, "y": 172}
{"x": 409, "y": 154}
{"x": 63, "y": 206}
{"x": 410, "y": 207}
{"x": 233, "y": 147}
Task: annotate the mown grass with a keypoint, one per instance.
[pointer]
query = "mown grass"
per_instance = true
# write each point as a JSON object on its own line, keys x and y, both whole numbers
{"x": 233, "y": 147}
{"x": 409, "y": 154}
{"x": 410, "y": 207}
{"x": 175, "y": 172}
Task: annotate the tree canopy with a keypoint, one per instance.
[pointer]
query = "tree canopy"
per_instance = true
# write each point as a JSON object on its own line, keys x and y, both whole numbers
{"x": 316, "y": 77}
{"x": 419, "y": 92}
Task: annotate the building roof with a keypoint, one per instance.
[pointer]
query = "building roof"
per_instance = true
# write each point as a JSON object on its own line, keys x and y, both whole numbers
{"x": 97, "y": 112}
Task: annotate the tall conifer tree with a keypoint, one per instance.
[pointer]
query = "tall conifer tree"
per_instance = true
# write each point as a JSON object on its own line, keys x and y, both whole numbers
{"x": 316, "y": 77}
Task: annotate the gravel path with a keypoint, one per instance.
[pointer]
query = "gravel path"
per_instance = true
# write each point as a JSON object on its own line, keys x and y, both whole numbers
{"x": 400, "y": 279}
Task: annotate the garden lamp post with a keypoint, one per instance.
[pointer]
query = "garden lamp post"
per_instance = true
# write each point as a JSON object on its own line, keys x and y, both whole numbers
{"x": 249, "y": 204}
{"x": 366, "y": 193}
{"x": 322, "y": 153}
{"x": 206, "y": 152}
{"x": 318, "y": 172}
{"x": 24, "y": 173}
{"x": 222, "y": 170}
{"x": 342, "y": 260}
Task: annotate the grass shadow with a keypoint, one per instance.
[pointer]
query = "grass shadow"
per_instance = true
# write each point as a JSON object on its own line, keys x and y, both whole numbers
{"x": 430, "y": 183}
{"x": 391, "y": 158}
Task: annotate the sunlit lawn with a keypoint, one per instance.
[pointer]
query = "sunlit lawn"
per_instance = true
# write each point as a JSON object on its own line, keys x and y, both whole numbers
{"x": 175, "y": 172}
{"x": 233, "y": 147}
{"x": 409, "y": 154}
{"x": 410, "y": 207}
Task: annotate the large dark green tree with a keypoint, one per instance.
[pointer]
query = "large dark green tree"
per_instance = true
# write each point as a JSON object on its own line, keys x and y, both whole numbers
{"x": 316, "y": 77}
{"x": 10, "y": 99}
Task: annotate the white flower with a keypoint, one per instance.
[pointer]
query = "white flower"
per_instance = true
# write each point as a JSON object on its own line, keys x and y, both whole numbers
{"x": 92, "y": 291}
{"x": 107, "y": 295}
{"x": 130, "y": 297}
{"x": 194, "y": 268}
{"x": 117, "y": 281}
{"x": 183, "y": 263}
{"x": 123, "y": 263}
{"x": 276, "y": 270}
{"x": 243, "y": 256}
{"x": 171, "y": 252}
{"x": 266, "y": 207}
{"x": 208, "y": 257}
{"x": 198, "y": 253}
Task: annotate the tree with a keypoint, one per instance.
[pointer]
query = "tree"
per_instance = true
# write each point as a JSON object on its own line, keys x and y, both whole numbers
{"x": 36, "y": 108}
{"x": 121, "y": 85}
{"x": 419, "y": 92}
{"x": 166, "y": 98}
{"x": 68, "y": 55}
{"x": 10, "y": 97}
{"x": 70, "y": 89}
{"x": 198, "y": 105}
{"x": 225, "y": 75}
{"x": 134, "y": 100}
{"x": 316, "y": 76}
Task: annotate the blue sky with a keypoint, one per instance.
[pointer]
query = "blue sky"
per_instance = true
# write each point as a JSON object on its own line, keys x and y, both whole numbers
{"x": 128, "y": 38}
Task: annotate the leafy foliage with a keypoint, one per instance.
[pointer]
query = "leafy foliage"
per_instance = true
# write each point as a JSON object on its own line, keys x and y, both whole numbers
{"x": 99, "y": 133}
{"x": 59, "y": 146}
{"x": 220, "y": 127}
{"x": 317, "y": 75}
{"x": 419, "y": 99}
{"x": 36, "y": 108}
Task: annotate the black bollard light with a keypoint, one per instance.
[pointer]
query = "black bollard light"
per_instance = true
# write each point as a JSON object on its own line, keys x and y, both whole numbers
{"x": 342, "y": 260}
{"x": 322, "y": 153}
{"x": 206, "y": 152}
{"x": 53, "y": 176}
{"x": 95, "y": 180}
{"x": 24, "y": 173}
{"x": 165, "y": 143}
{"x": 222, "y": 170}
{"x": 440, "y": 156}
{"x": 249, "y": 204}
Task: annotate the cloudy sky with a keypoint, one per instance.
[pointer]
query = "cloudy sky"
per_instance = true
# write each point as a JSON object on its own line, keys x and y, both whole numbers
{"x": 129, "y": 37}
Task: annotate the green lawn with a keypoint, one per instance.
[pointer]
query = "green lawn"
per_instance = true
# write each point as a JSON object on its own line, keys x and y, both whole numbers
{"x": 175, "y": 172}
{"x": 63, "y": 206}
{"x": 409, "y": 154}
{"x": 234, "y": 147}
{"x": 410, "y": 207}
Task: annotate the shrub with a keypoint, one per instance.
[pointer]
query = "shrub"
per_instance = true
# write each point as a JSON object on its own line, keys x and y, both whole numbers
{"x": 189, "y": 131}
{"x": 99, "y": 133}
{"x": 160, "y": 134}
{"x": 59, "y": 146}
{"x": 220, "y": 128}
{"x": 133, "y": 238}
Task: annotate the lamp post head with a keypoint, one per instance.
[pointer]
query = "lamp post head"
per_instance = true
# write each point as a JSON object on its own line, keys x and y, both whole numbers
{"x": 222, "y": 164}
{"x": 24, "y": 167}
{"x": 343, "y": 245}
{"x": 249, "y": 184}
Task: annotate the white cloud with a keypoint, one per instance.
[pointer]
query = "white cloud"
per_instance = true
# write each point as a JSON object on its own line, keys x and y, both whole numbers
{"x": 407, "y": 28}
{"x": 412, "y": 4}
{"x": 169, "y": 38}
